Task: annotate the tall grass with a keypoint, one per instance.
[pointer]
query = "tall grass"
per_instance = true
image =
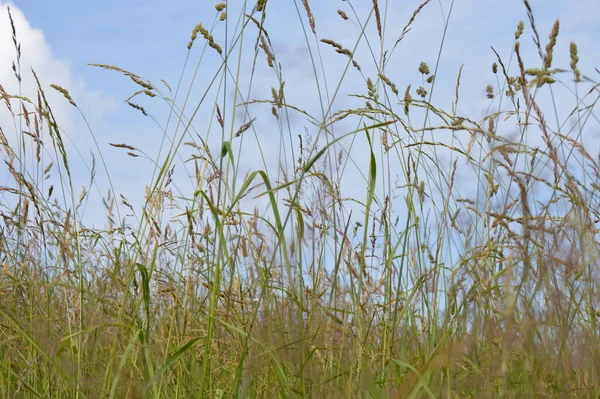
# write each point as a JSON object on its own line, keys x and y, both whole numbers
{"x": 395, "y": 249}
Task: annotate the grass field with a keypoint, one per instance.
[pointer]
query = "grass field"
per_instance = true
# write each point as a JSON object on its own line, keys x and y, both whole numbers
{"x": 391, "y": 248}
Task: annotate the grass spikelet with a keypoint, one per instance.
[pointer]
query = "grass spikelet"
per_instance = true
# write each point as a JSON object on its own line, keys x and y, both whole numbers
{"x": 267, "y": 49}
{"x": 280, "y": 93}
{"x": 377, "y": 18}
{"x": 15, "y": 67}
{"x": 332, "y": 43}
{"x": 536, "y": 36}
{"x": 166, "y": 85}
{"x": 223, "y": 16}
{"x": 197, "y": 29}
{"x": 407, "y": 100}
{"x": 48, "y": 168}
{"x": 220, "y": 6}
{"x": 341, "y": 50}
{"x": 342, "y": 14}
{"x": 145, "y": 84}
{"x": 388, "y": 82}
{"x": 345, "y": 51}
{"x": 372, "y": 90}
{"x": 550, "y": 46}
{"x": 64, "y": 92}
{"x": 423, "y": 68}
{"x": 244, "y": 127}
{"x": 384, "y": 141}
{"x": 491, "y": 126}
{"x": 54, "y": 130}
{"x": 520, "y": 29}
{"x": 311, "y": 18}
{"x": 6, "y": 98}
{"x": 216, "y": 47}
{"x": 121, "y": 145}
{"x": 113, "y": 68}
{"x": 220, "y": 117}
{"x": 407, "y": 27}
{"x": 5, "y": 145}
{"x": 138, "y": 107}
{"x": 135, "y": 94}
{"x": 260, "y": 5}
{"x": 574, "y": 60}
{"x": 26, "y": 115}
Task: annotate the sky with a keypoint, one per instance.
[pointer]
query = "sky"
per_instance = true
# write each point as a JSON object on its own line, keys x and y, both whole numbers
{"x": 60, "y": 38}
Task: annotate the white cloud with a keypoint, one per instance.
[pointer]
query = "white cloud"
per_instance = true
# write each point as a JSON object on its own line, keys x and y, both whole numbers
{"x": 37, "y": 54}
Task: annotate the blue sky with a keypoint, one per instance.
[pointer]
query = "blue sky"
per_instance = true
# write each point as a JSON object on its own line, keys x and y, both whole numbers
{"x": 60, "y": 37}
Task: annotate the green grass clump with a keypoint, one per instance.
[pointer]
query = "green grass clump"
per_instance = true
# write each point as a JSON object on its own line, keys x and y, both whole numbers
{"x": 395, "y": 249}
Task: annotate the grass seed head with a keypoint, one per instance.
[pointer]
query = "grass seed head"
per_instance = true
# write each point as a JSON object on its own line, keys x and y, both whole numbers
{"x": 520, "y": 29}
{"x": 311, "y": 18}
{"x": 574, "y": 60}
{"x": 550, "y": 46}
{"x": 64, "y": 92}
{"x": 407, "y": 100}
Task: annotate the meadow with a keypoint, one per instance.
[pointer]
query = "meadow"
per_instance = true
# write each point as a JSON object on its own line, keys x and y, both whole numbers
{"x": 388, "y": 246}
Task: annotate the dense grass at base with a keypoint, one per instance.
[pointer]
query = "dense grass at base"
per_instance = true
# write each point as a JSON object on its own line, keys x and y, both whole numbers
{"x": 275, "y": 282}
